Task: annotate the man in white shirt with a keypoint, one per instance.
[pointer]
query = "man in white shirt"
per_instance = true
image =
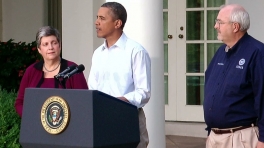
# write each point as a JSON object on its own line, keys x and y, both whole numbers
{"x": 121, "y": 66}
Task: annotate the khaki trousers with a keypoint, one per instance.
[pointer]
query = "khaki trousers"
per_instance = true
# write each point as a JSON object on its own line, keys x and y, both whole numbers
{"x": 144, "y": 140}
{"x": 245, "y": 138}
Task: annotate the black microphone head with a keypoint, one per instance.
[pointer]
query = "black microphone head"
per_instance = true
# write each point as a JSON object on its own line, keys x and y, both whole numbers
{"x": 80, "y": 68}
{"x": 71, "y": 67}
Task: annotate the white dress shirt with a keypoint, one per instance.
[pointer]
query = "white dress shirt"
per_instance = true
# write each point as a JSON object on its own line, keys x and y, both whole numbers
{"x": 123, "y": 70}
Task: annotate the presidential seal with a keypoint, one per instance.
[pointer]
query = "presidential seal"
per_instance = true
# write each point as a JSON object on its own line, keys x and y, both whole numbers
{"x": 54, "y": 115}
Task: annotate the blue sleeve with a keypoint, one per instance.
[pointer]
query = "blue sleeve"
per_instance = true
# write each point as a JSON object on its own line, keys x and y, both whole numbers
{"x": 257, "y": 74}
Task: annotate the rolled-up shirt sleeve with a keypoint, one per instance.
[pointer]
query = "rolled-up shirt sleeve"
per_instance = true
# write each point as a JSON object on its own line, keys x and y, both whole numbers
{"x": 142, "y": 79}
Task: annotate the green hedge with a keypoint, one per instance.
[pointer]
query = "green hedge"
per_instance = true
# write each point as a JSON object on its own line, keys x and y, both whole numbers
{"x": 14, "y": 59}
{"x": 9, "y": 121}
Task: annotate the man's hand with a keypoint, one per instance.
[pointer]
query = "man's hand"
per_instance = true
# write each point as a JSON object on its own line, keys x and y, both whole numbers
{"x": 260, "y": 144}
{"x": 123, "y": 99}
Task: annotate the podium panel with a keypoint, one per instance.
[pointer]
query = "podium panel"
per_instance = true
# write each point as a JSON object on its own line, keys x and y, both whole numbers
{"x": 95, "y": 120}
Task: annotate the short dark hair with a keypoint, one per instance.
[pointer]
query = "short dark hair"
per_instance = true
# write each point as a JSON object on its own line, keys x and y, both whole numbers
{"x": 118, "y": 10}
{"x": 47, "y": 31}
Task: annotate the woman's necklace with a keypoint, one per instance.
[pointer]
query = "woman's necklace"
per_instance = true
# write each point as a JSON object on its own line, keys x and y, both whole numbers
{"x": 52, "y": 69}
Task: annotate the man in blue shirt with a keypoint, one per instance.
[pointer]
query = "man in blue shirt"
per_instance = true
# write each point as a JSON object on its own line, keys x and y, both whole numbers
{"x": 234, "y": 84}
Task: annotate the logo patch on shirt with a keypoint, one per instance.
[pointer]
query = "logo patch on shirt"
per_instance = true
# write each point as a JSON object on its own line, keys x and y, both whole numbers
{"x": 220, "y": 63}
{"x": 241, "y": 63}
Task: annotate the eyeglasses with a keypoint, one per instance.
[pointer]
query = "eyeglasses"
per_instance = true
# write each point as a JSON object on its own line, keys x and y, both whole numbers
{"x": 219, "y": 22}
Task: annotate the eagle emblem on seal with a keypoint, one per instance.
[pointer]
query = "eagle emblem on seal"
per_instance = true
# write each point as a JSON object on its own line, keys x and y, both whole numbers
{"x": 55, "y": 117}
{"x": 55, "y": 114}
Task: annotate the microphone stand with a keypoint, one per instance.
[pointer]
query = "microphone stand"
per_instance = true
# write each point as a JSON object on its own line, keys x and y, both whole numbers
{"x": 62, "y": 77}
{"x": 62, "y": 82}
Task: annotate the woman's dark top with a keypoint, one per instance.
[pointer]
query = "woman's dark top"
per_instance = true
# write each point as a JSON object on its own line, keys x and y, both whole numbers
{"x": 34, "y": 78}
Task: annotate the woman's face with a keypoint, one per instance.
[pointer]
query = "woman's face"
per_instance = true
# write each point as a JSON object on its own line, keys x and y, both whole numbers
{"x": 49, "y": 48}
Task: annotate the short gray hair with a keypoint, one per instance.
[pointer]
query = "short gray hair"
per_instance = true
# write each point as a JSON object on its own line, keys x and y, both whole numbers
{"x": 47, "y": 31}
{"x": 240, "y": 16}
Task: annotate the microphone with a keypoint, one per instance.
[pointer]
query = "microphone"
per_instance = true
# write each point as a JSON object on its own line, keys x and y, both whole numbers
{"x": 78, "y": 69}
{"x": 70, "y": 68}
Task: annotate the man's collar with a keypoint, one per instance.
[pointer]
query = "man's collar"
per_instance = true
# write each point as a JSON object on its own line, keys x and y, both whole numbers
{"x": 119, "y": 43}
{"x": 227, "y": 48}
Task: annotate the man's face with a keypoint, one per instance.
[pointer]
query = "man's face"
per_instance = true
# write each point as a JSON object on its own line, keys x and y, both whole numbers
{"x": 223, "y": 26}
{"x": 105, "y": 23}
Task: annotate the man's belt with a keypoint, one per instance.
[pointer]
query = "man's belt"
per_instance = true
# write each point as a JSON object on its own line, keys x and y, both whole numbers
{"x": 229, "y": 130}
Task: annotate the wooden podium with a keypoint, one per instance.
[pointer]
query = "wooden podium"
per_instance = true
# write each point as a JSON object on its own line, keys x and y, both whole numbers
{"x": 90, "y": 119}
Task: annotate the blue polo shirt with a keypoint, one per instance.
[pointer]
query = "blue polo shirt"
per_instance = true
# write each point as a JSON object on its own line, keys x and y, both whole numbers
{"x": 234, "y": 82}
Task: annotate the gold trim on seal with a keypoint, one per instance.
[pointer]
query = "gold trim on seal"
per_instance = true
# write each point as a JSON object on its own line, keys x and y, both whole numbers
{"x": 55, "y": 115}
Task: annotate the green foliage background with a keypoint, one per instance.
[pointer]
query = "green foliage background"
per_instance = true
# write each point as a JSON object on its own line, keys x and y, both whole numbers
{"x": 14, "y": 59}
{"x": 9, "y": 121}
